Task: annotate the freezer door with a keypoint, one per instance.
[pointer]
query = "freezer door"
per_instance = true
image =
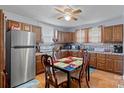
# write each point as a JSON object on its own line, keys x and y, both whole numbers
{"x": 22, "y": 65}
{"x": 22, "y": 38}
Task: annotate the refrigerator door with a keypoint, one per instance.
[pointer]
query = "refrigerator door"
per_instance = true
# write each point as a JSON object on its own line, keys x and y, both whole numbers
{"x": 22, "y": 38}
{"x": 22, "y": 65}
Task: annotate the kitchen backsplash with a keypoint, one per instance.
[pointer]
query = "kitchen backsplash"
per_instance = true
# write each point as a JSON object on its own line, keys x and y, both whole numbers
{"x": 100, "y": 47}
{"x": 109, "y": 47}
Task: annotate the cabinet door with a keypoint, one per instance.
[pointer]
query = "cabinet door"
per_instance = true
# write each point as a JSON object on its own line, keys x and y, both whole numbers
{"x": 25, "y": 27}
{"x": 107, "y": 34}
{"x": 37, "y": 31}
{"x": 2, "y": 48}
{"x": 118, "y": 33}
{"x": 75, "y": 54}
{"x": 118, "y": 66}
{"x": 13, "y": 25}
{"x": 39, "y": 65}
{"x": 93, "y": 61}
{"x": 101, "y": 64}
{"x": 109, "y": 65}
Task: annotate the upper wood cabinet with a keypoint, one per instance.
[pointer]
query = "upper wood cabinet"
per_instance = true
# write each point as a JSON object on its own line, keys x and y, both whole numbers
{"x": 25, "y": 27}
{"x": 65, "y": 37}
{"x": 107, "y": 34}
{"x": 117, "y": 35}
{"x": 113, "y": 34}
{"x": 13, "y": 25}
{"x": 37, "y": 31}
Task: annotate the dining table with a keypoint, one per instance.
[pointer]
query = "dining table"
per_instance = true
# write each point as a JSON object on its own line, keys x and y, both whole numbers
{"x": 68, "y": 65}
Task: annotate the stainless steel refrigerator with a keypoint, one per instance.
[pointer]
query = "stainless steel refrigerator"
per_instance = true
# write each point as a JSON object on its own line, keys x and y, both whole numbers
{"x": 20, "y": 57}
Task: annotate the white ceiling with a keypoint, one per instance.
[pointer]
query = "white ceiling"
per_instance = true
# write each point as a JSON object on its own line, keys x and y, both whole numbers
{"x": 46, "y": 13}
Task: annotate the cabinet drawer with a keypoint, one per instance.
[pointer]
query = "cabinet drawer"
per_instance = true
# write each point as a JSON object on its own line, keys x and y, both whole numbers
{"x": 101, "y": 61}
{"x": 38, "y": 57}
{"x": 92, "y": 54}
{"x": 117, "y": 57}
{"x": 101, "y": 66}
{"x": 100, "y": 55}
{"x": 109, "y": 56}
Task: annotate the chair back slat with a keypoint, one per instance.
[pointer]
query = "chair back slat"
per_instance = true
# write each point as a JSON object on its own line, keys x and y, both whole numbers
{"x": 85, "y": 64}
{"x": 49, "y": 70}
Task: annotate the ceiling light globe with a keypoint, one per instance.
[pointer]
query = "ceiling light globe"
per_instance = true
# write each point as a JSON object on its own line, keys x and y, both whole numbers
{"x": 67, "y": 18}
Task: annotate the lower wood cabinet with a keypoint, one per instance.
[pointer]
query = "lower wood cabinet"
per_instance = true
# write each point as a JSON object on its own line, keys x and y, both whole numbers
{"x": 93, "y": 60}
{"x": 70, "y": 53}
{"x": 39, "y": 65}
{"x": 107, "y": 62}
{"x": 109, "y": 65}
{"x": 118, "y": 64}
{"x": 101, "y": 63}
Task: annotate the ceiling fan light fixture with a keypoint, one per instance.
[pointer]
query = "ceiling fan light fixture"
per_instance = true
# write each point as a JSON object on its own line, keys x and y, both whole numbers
{"x": 67, "y": 18}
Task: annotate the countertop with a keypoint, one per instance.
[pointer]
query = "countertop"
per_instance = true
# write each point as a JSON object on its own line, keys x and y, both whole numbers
{"x": 107, "y": 53}
{"x": 41, "y": 53}
{"x": 95, "y": 52}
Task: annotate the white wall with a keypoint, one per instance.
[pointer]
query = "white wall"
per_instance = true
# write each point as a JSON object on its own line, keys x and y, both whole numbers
{"x": 118, "y": 20}
{"x": 44, "y": 26}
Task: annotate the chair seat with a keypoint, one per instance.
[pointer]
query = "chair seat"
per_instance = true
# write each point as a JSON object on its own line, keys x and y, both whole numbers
{"x": 75, "y": 74}
{"x": 61, "y": 77}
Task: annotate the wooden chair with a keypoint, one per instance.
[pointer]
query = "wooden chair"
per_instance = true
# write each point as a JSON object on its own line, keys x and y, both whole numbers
{"x": 82, "y": 73}
{"x": 56, "y": 53}
{"x": 51, "y": 77}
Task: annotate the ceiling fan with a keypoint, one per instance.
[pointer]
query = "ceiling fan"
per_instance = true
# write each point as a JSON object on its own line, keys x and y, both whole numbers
{"x": 68, "y": 13}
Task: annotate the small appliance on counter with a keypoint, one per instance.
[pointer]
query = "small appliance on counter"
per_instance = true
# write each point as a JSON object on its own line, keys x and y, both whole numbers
{"x": 75, "y": 47}
{"x": 67, "y": 46}
{"x": 118, "y": 49}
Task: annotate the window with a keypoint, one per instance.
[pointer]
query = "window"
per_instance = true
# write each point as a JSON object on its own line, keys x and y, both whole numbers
{"x": 80, "y": 36}
{"x": 95, "y": 35}
{"x": 48, "y": 36}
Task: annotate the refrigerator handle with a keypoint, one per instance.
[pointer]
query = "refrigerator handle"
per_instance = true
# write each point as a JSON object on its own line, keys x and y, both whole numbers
{"x": 23, "y": 47}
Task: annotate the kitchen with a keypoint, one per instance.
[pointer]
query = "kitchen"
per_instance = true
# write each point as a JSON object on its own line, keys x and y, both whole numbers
{"x": 103, "y": 40}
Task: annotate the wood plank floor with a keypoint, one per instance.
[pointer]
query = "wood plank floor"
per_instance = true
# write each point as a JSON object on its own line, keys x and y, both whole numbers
{"x": 99, "y": 79}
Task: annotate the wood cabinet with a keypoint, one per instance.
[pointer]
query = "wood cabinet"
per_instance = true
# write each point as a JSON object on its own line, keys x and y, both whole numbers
{"x": 65, "y": 37}
{"x": 25, "y": 27}
{"x": 39, "y": 65}
{"x": 114, "y": 63}
{"x": 109, "y": 63}
{"x": 2, "y": 51}
{"x": 117, "y": 35}
{"x": 101, "y": 63}
{"x": 13, "y": 25}
{"x": 113, "y": 34}
{"x": 64, "y": 54}
{"x": 37, "y": 31}
{"x": 93, "y": 61}
{"x": 118, "y": 64}
{"x": 107, "y": 34}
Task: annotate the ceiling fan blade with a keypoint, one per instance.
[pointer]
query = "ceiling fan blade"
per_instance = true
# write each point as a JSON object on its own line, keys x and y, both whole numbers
{"x": 74, "y": 18}
{"x": 57, "y": 9}
{"x": 60, "y": 17}
{"x": 77, "y": 11}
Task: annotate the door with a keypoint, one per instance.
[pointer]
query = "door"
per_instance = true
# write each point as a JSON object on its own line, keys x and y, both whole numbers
{"x": 22, "y": 65}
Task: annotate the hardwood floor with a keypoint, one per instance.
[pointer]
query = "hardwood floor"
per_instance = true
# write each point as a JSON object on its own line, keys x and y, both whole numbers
{"x": 99, "y": 79}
